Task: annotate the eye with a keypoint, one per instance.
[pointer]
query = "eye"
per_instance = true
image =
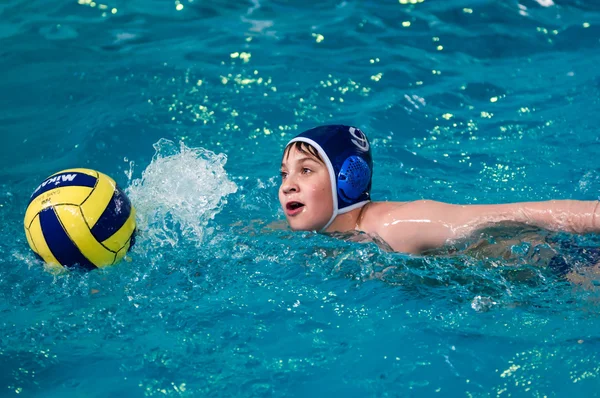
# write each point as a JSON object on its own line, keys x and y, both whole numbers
{"x": 283, "y": 174}
{"x": 306, "y": 170}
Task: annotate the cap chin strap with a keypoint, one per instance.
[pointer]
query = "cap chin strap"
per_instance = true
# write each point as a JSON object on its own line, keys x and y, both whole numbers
{"x": 332, "y": 179}
{"x": 337, "y": 212}
{"x": 333, "y": 216}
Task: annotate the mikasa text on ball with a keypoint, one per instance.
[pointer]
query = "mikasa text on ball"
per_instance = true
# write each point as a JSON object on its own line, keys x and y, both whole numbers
{"x": 80, "y": 217}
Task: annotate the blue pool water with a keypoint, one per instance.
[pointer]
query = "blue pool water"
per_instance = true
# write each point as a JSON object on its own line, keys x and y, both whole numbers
{"x": 187, "y": 104}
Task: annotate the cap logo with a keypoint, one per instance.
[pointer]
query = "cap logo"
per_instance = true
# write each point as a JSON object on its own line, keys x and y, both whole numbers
{"x": 360, "y": 139}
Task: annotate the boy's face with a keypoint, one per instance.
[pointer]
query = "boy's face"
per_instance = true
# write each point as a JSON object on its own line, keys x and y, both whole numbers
{"x": 305, "y": 191}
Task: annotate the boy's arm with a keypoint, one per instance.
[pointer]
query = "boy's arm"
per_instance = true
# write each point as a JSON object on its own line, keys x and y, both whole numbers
{"x": 421, "y": 225}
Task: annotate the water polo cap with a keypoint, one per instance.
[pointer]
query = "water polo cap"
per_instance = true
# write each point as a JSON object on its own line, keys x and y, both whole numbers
{"x": 347, "y": 155}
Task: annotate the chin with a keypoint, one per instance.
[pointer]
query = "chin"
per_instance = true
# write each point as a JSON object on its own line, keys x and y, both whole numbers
{"x": 299, "y": 226}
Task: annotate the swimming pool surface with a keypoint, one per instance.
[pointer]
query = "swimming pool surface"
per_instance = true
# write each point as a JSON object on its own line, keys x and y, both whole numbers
{"x": 188, "y": 104}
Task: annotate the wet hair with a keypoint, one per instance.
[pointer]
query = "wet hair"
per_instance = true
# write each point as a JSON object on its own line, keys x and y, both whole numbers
{"x": 302, "y": 147}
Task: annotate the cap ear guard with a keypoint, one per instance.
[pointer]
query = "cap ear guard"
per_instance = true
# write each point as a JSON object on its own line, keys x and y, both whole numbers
{"x": 353, "y": 178}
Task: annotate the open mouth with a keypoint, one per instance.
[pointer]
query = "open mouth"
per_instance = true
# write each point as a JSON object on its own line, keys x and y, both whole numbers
{"x": 294, "y": 207}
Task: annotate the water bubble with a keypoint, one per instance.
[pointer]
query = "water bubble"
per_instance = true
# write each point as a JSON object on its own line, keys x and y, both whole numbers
{"x": 590, "y": 182}
{"x": 58, "y": 32}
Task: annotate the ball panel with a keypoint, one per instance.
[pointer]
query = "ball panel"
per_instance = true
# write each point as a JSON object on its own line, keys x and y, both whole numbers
{"x": 96, "y": 203}
{"x": 63, "y": 179}
{"x": 123, "y": 236}
{"x": 90, "y": 172}
{"x": 39, "y": 243}
{"x": 121, "y": 253}
{"x": 60, "y": 244}
{"x": 57, "y": 196}
{"x": 30, "y": 241}
{"x": 80, "y": 236}
{"x": 114, "y": 216}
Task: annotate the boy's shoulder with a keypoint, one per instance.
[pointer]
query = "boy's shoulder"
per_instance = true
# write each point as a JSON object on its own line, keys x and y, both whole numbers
{"x": 383, "y": 214}
{"x": 409, "y": 227}
{"x": 380, "y": 209}
{"x": 376, "y": 213}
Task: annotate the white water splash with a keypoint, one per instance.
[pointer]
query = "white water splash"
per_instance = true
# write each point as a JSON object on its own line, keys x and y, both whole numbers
{"x": 482, "y": 303}
{"x": 180, "y": 191}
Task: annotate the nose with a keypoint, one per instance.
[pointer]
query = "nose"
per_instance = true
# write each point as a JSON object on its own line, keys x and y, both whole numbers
{"x": 289, "y": 185}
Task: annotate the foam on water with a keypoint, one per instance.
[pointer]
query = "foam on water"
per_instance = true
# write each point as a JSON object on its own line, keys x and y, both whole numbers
{"x": 180, "y": 191}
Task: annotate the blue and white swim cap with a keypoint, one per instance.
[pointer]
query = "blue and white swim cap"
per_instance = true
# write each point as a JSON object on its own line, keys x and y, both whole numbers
{"x": 347, "y": 155}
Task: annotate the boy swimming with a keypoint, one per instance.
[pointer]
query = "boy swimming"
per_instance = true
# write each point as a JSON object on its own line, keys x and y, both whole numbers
{"x": 326, "y": 186}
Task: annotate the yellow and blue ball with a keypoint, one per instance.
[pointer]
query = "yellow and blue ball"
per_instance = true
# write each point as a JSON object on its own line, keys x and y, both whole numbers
{"x": 79, "y": 217}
